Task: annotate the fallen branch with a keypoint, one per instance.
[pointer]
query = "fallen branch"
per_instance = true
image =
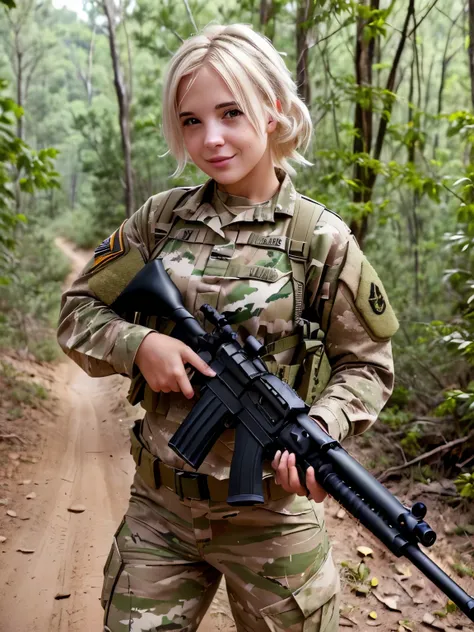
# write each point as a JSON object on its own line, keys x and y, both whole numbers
{"x": 12, "y": 436}
{"x": 464, "y": 463}
{"x": 440, "y": 448}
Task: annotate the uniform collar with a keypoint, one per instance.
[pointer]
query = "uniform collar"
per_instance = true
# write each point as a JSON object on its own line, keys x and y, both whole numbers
{"x": 198, "y": 206}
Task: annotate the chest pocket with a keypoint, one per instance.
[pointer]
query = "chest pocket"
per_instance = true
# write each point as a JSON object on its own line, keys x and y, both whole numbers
{"x": 261, "y": 289}
{"x": 256, "y": 291}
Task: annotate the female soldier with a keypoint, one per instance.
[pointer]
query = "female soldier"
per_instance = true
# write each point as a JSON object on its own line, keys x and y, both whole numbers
{"x": 283, "y": 268}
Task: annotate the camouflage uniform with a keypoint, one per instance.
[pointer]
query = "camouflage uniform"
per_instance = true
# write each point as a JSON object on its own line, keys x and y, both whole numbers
{"x": 170, "y": 551}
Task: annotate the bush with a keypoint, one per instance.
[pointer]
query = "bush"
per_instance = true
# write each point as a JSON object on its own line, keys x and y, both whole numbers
{"x": 29, "y": 304}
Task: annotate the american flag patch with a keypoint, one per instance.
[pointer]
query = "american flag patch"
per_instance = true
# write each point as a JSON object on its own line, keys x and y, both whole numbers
{"x": 110, "y": 248}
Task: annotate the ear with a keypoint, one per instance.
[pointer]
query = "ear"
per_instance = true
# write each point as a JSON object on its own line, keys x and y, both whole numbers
{"x": 271, "y": 126}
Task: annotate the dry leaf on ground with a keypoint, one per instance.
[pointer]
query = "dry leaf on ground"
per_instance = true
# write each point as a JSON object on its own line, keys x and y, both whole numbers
{"x": 365, "y": 551}
{"x": 418, "y": 584}
{"x": 391, "y": 601}
{"x": 403, "y": 570}
{"x": 429, "y": 619}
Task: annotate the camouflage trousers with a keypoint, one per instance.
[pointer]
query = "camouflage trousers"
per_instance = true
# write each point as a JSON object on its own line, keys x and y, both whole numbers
{"x": 169, "y": 555}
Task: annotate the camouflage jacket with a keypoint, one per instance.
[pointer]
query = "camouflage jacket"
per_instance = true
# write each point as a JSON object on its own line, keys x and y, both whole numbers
{"x": 220, "y": 251}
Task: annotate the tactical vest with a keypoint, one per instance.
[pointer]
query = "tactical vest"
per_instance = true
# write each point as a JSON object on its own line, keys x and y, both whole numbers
{"x": 309, "y": 371}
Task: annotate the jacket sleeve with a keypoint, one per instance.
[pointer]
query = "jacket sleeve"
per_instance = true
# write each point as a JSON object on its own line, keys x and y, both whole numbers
{"x": 89, "y": 332}
{"x": 348, "y": 299}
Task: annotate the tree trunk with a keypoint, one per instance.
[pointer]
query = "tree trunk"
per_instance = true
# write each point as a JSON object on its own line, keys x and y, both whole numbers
{"x": 267, "y": 18}
{"x": 124, "y": 111}
{"x": 19, "y": 92}
{"x": 88, "y": 81}
{"x": 304, "y": 16}
{"x": 363, "y": 117}
{"x": 364, "y": 58}
{"x": 471, "y": 47}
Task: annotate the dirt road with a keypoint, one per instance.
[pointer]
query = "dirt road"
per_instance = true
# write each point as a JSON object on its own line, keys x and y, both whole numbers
{"x": 82, "y": 458}
{"x": 84, "y": 461}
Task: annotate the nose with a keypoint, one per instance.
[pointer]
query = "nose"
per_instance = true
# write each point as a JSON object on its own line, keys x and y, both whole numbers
{"x": 214, "y": 136}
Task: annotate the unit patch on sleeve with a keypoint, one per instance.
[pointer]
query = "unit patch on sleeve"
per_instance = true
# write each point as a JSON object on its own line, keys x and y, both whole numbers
{"x": 376, "y": 299}
{"x": 373, "y": 305}
{"x": 110, "y": 248}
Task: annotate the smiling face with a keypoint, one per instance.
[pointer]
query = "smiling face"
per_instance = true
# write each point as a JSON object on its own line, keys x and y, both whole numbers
{"x": 221, "y": 140}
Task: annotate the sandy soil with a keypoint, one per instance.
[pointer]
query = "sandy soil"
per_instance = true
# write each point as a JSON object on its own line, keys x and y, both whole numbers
{"x": 73, "y": 449}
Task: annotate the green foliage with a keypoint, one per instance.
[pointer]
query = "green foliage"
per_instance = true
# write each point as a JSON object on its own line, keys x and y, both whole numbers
{"x": 463, "y": 570}
{"x": 21, "y": 168}
{"x": 29, "y": 305}
{"x": 20, "y": 391}
{"x": 465, "y": 485}
{"x": 410, "y": 442}
{"x": 395, "y": 417}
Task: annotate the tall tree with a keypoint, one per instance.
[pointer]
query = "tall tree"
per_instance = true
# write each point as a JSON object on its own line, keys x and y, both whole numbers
{"x": 368, "y": 30}
{"x": 471, "y": 47}
{"x": 304, "y": 23}
{"x": 123, "y": 99}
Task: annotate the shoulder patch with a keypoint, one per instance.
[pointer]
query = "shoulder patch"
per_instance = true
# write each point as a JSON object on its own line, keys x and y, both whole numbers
{"x": 372, "y": 303}
{"x": 111, "y": 279}
{"x": 109, "y": 249}
{"x": 370, "y": 298}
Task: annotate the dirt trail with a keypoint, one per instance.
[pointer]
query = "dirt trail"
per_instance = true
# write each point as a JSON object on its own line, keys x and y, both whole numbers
{"x": 83, "y": 458}
{"x": 82, "y": 461}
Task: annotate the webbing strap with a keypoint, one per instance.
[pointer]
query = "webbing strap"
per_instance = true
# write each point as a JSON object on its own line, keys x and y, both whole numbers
{"x": 283, "y": 344}
{"x": 305, "y": 218}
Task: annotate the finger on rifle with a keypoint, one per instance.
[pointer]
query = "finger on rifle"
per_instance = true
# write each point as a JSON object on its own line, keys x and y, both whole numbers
{"x": 311, "y": 483}
{"x": 275, "y": 464}
{"x": 293, "y": 478}
{"x": 189, "y": 356}
{"x": 185, "y": 385}
{"x": 283, "y": 471}
{"x": 276, "y": 459}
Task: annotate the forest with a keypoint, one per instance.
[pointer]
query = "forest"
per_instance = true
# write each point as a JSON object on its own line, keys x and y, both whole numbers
{"x": 390, "y": 88}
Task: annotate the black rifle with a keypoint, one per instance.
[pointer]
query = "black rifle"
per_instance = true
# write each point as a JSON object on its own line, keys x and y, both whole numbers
{"x": 268, "y": 415}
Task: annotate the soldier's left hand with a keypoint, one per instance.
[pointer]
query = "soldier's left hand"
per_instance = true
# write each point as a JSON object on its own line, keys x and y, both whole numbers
{"x": 286, "y": 475}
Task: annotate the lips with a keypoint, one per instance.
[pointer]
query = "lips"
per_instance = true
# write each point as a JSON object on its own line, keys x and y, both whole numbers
{"x": 220, "y": 159}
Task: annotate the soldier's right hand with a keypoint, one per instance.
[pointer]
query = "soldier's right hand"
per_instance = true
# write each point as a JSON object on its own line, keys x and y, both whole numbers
{"x": 161, "y": 360}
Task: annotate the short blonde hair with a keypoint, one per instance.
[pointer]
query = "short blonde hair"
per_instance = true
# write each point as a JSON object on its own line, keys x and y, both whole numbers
{"x": 256, "y": 75}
